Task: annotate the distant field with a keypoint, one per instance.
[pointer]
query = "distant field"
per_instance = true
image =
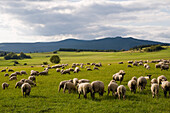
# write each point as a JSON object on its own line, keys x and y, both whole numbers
{"x": 45, "y": 97}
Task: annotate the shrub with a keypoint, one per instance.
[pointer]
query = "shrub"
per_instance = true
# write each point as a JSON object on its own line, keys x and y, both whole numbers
{"x": 55, "y": 59}
{"x": 25, "y": 63}
{"x": 16, "y": 62}
{"x": 45, "y": 63}
{"x": 55, "y": 52}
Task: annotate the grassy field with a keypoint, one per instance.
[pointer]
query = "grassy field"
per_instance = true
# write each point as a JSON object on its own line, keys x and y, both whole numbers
{"x": 46, "y": 98}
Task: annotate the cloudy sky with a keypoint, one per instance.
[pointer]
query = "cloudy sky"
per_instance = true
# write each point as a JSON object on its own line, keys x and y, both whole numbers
{"x": 54, "y": 20}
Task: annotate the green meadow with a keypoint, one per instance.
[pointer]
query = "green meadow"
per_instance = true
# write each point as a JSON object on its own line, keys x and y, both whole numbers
{"x": 46, "y": 98}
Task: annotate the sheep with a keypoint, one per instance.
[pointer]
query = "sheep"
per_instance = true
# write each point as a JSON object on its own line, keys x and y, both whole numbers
{"x": 135, "y": 64}
{"x": 70, "y": 86}
{"x": 166, "y": 87}
{"x": 10, "y": 70}
{"x": 23, "y": 72}
{"x": 5, "y": 85}
{"x": 76, "y": 70}
{"x": 121, "y": 91}
{"x": 26, "y": 89}
{"x": 83, "y": 81}
{"x": 158, "y": 65}
{"x": 112, "y": 86}
{"x": 45, "y": 72}
{"x": 3, "y": 70}
{"x": 22, "y": 80}
{"x": 130, "y": 62}
{"x": 65, "y": 71}
{"x": 34, "y": 72}
{"x": 71, "y": 69}
{"x": 85, "y": 88}
{"x": 97, "y": 86}
{"x": 141, "y": 83}
{"x": 120, "y": 62}
{"x": 13, "y": 78}
{"x": 61, "y": 85}
{"x": 32, "y": 78}
{"x": 154, "y": 80}
{"x": 58, "y": 69}
{"x": 155, "y": 89}
{"x": 19, "y": 84}
{"x": 6, "y": 74}
{"x": 75, "y": 81}
{"x": 18, "y": 73}
{"x": 129, "y": 65}
{"x": 134, "y": 78}
{"x": 160, "y": 78}
{"x": 147, "y": 67}
{"x": 98, "y": 65}
{"x": 88, "y": 63}
{"x": 95, "y": 68}
{"x": 13, "y": 74}
{"x": 89, "y": 69}
{"x": 30, "y": 82}
{"x": 140, "y": 63}
{"x": 164, "y": 67}
{"x": 148, "y": 77}
{"x": 132, "y": 84}
{"x": 119, "y": 76}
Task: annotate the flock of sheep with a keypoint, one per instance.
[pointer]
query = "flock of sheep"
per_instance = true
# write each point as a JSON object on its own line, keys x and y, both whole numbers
{"x": 83, "y": 86}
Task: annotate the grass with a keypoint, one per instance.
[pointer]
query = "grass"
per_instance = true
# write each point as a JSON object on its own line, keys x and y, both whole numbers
{"x": 46, "y": 98}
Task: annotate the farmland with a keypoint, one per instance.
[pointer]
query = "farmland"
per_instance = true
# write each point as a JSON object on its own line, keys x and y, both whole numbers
{"x": 46, "y": 98}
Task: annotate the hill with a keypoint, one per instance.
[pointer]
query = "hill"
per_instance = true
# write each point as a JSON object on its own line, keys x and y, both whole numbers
{"x": 116, "y": 43}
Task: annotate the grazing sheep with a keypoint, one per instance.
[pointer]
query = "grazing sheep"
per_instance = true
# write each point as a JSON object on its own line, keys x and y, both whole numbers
{"x": 155, "y": 89}
{"x": 120, "y": 62}
{"x": 130, "y": 62}
{"x": 84, "y": 81}
{"x": 158, "y": 65}
{"x": 19, "y": 84}
{"x": 148, "y": 77}
{"x": 75, "y": 81}
{"x": 95, "y": 68}
{"x": 23, "y": 72}
{"x": 98, "y": 86}
{"x": 5, "y": 85}
{"x": 147, "y": 67}
{"x": 61, "y": 85}
{"x": 85, "y": 88}
{"x": 70, "y": 86}
{"x": 29, "y": 82}
{"x": 65, "y": 71}
{"x": 112, "y": 86}
{"x": 34, "y": 72}
{"x": 88, "y": 63}
{"x": 76, "y": 70}
{"x": 109, "y": 64}
{"x": 164, "y": 67}
{"x": 129, "y": 65}
{"x": 26, "y": 89}
{"x": 32, "y": 78}
{"x": 10, "y": 70}
{"x": 154, "y": 80}
{"x": 121, "y": 91}
{"x": 141, "y": 83}
{"x": 140, "y": 63}
{"x": 119, "y": 76}
{"x": 3, "y": 70}
{"x": 22, "y": 80}
{"x": 132, "y": 84}
{"x": 13, "y": 78}
{"x": 160, "y": 78}
{"x": 89, "y": 69}
{"x": 58, "y": 69}
{"x": 166, "y": 87}
{"x": 45, "y": 72}
{"x": 135, "y": 64}
{"x": 134, "y": 78}
{"x": 18, "y": 73}
{"x": 13, "y": 74}
{"x": 6, "y": 74}
{"x": 71, "y": 69}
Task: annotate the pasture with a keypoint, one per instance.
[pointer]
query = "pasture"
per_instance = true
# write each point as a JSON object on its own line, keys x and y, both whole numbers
{"x": 46, "y": 98}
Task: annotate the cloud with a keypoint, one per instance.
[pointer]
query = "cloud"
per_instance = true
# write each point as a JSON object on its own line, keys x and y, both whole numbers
{"x": 84, "y": 19}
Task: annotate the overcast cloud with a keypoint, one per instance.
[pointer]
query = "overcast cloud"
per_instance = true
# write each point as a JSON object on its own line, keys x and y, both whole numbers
{"x": 54, "y": 20}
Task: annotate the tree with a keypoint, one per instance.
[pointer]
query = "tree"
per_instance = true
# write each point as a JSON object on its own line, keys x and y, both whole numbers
{"x": 55, "y": 59}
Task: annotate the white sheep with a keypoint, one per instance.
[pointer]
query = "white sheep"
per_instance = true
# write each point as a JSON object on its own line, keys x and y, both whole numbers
{"x": 112, "y": 86}
{"x": 164, "y": 67}
{"x": 58, "y": 69}
{"x": 98, "y": 86}
{"x": 154, "y": 80}
{"x": 26, "y": 89}
{"x": 83, "y": 81}
{"x": 121, "y": 91}
{"x": 75, "y": 81}
{"x": 30, "y": 82}
{"x": 155, "y": 89}
{"x": 85, "y": 88}
{"x": 5, "y": 85}
{"x": 132, "y": 84}
{"x": 141, "y": 83}
{"x": 65, "y": 71}
{"x": 13, "y": 78}
{"x": 148, "y": 77}
{"x": 166, "y": 87}
{"x": 70, "y": 86}
{"x": 134, "y": 78}
{"x": 76, "y": 70}
{"x": 33, "y": 78}
{"x": 23, "y": 72}
{"x": 160, "y": 78}
{"x": 119, "y": 76}
{"x": 45, "y": 72}
{"x": 61, "y": 85}
{"x": 19, "y": 84}
{"x": 6, "y": 74}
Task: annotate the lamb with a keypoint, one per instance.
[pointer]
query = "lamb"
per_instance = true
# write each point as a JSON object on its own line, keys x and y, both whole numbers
{"x": 26, "y": 89}
{"x": 154, "y": 80}
{"x": 164, "y": 67}
{"x": 148, "y": 77}
{"x": 112, "y": 86}
{"x": 30, "y": 82}
{"x": 13, "y": 78}
{"x": 132, "y": 84}
{"x": 85, "y": 88}
{"x": 6, "y": 74}
{"x": 119, "y": 76}
{"x": 19, "y": 84}
{"x": 83, "y": 81}
{"x": 70, "y": 86}
{"x": 166, "y": 87}
{"x": 5, "y": 85}
{"x": 75, "y": 81}
{"x": 61, "y": 85}
{"x": 32, "y": 78}
{"x": 141, "y": 83}
{"x": 160, "y": 78}
{"x": 97, "y": 86}
{"x": 121, "y": 91}
{"x": 76, "y": 70}
{"x": 23, "y": 72}
{"x": 155, "y": 89}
